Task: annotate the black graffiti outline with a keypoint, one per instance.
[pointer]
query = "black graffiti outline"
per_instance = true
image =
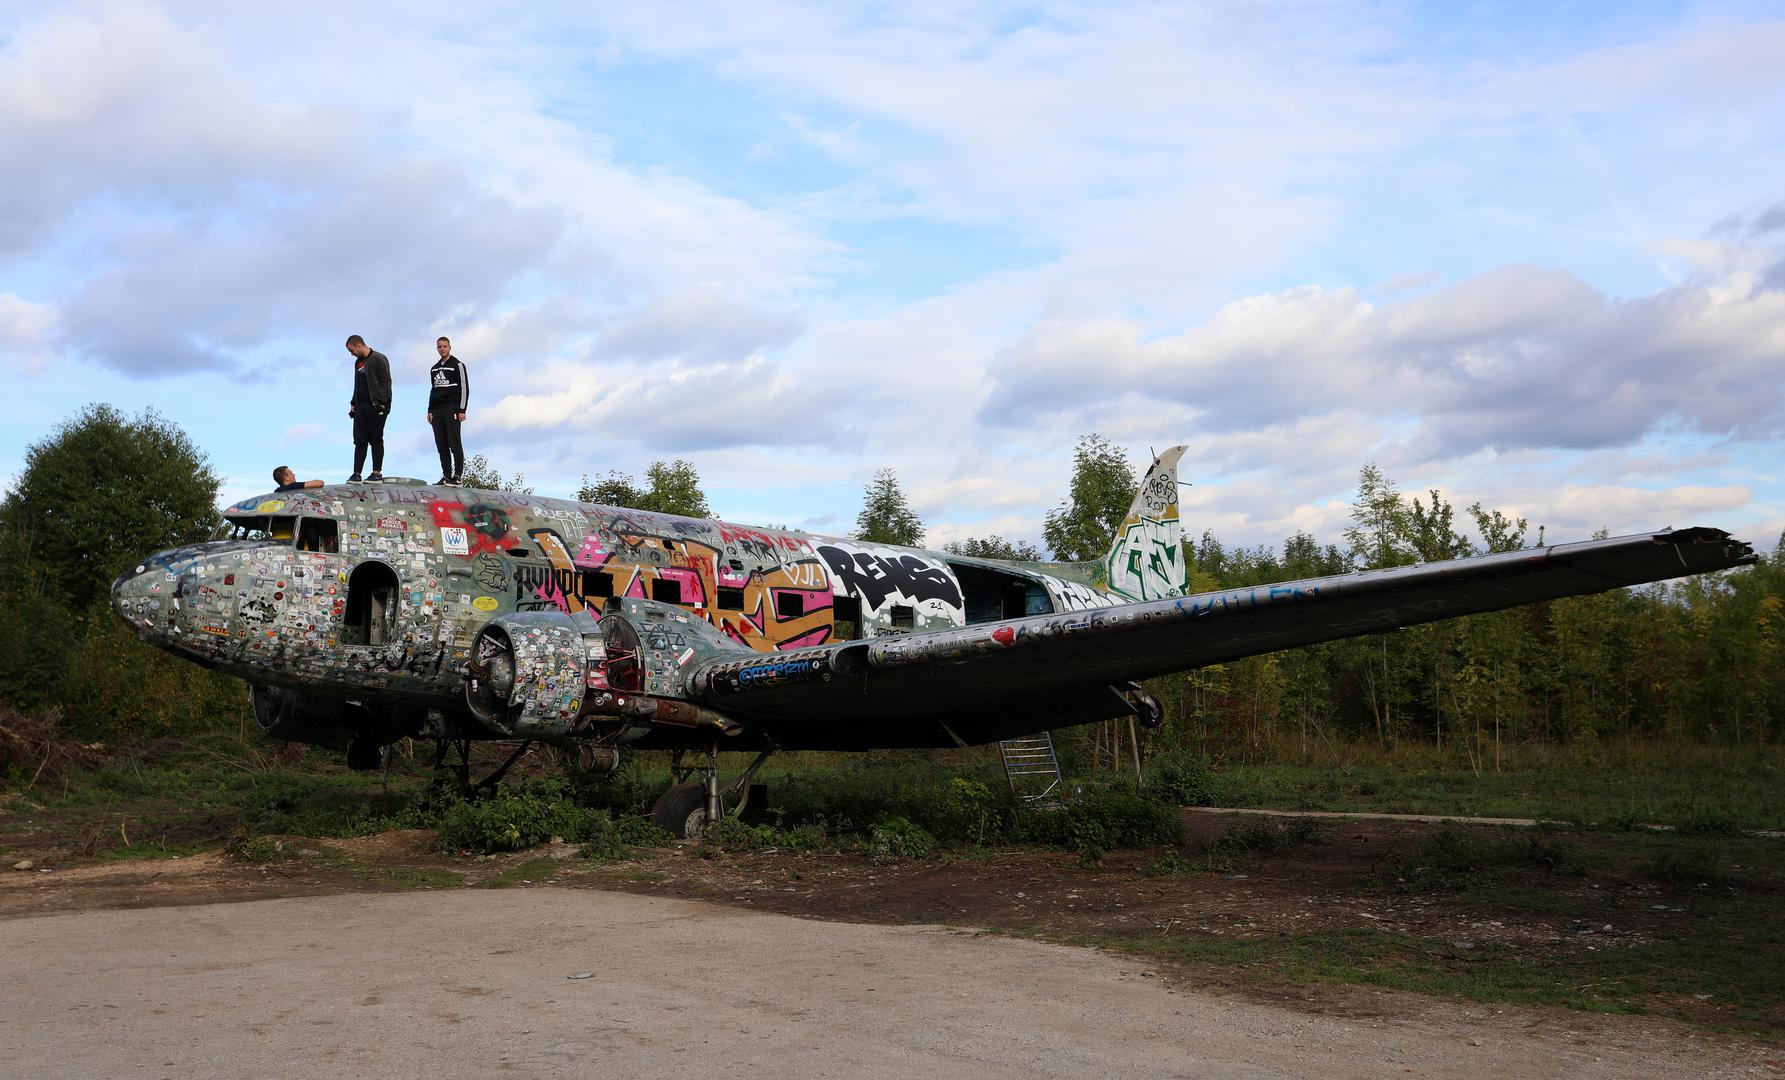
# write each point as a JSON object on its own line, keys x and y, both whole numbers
{"x": 877, "y": 577}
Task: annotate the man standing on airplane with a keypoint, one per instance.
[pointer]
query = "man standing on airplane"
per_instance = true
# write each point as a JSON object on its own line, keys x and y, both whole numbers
{"x": 449, "y": 391}
{"x": 369, "y": 407}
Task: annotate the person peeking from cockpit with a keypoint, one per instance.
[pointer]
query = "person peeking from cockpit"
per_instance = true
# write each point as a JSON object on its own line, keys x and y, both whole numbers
{"x": 288, "y": 481}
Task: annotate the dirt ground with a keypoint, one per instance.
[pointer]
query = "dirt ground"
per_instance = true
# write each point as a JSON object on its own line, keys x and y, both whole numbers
{"x": 1019, "y": 893}
{"x": 1308, "y": 888}
{"x": 559, "y": 982}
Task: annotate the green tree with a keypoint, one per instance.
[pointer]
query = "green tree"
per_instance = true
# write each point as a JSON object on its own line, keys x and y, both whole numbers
{"x": 617, "y": 489}
{"x": 994, "y": 547}
{"x": 479, "y": 473}
{"x": 1102, "y": 489}
{"x": 1501, "y": 533}
{"x": 670, "y": 488}
{"x": 675, "y": 489}
{"x": 1381, "y": 525}
{"x": 886, "y": 517}
{"x": 101, "y": 493}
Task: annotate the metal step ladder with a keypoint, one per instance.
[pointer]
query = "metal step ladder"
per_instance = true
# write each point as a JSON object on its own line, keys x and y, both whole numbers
{"x": 1032, "y": 767}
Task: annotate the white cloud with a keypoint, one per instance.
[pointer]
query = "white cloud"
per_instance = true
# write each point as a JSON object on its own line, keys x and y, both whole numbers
{"x": 297, "y": 434}
{"x": 1517, "y": 357}
{"x": 25, "y": 329}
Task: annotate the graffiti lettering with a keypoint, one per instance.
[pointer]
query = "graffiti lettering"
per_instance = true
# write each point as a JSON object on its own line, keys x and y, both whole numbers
{"x": 877, "y": 577}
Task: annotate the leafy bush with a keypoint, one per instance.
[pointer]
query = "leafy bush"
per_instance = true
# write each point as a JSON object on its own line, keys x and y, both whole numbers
{"x": 732, "y": 834}
{"x": 512, "y": 820}
{"x": 248, "y": 847}
{"x": 899, "y": 838}
{"x": 1111, "y": 817}
{"x": 602, "y": 841}
{"x": 1181, "y": 778}
{"x": 954, "y": 809}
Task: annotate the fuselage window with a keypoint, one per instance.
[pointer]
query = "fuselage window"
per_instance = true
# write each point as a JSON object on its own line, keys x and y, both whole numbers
{"x": 789, "y": 605}
{"x": 280, "y": 529}
{"x": 846, "y": 618}
{"x": 730, "y": 599}
{"x": 319, "y": 534}
{"x": 598, "y": 583}
{"x": 665, "y": 591}
{"x": 904, "y": 616}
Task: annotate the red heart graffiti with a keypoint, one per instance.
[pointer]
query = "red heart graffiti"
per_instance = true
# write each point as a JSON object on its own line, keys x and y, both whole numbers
{"x": 1004, "y": 635}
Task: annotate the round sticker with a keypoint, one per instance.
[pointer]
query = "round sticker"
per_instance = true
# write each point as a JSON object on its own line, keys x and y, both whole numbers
{"x": 485, "y": 603}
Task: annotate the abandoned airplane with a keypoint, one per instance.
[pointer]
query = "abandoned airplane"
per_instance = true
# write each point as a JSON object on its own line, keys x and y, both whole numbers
{"x": 363, "y": 614}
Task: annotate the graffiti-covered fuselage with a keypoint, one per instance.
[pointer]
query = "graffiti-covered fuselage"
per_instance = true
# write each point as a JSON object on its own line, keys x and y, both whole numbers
{"x": 376, "y": 592}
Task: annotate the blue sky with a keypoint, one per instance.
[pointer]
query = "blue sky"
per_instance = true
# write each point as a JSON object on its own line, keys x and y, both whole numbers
{"x": 1530, "y": 255}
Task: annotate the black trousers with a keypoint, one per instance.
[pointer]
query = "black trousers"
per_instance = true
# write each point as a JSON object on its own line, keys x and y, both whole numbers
{"x": 368, "y": 430}
{"x": 446, "y": 441}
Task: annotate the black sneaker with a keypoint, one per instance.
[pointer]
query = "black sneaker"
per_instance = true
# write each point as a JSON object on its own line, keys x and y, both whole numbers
{"x": 375, "y": 478}
{"x": 354, "y": 479}
{"x": 443, "y": 482}
{"x": 457, "y": 481}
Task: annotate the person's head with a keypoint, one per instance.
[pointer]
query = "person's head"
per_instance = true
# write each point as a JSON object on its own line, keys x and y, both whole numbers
{"x": 444, "y": 347}
{"x": 357, "y": 346}
{"x": 283, "y": 475}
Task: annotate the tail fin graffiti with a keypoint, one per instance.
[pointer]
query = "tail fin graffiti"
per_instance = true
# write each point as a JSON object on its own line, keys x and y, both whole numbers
{"x": 1146, "y": 558}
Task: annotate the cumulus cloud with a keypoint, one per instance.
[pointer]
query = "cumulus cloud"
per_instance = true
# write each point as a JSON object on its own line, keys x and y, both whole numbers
{"x": 130, "y": 106}
{"x": 25, "y": 328}
{"x": 1517, "y": 357}
{"x": 704, "y": 322}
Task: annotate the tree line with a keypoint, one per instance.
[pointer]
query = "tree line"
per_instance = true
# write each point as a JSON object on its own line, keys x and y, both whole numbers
{"x": 1701, "y": 659}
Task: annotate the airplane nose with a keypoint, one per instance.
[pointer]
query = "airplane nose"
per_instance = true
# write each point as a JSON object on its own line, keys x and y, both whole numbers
{"x": 131, "y": 596}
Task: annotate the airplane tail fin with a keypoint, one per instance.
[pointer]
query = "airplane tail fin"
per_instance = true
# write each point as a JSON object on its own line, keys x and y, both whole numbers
{"x": 1146, "y": 558}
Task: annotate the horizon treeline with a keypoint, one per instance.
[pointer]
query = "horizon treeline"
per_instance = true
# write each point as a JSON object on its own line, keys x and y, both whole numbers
{"x": 1700, "y": 658}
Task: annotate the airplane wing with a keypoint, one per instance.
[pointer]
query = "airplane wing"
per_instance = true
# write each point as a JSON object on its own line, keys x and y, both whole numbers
{"x": 999, "y": 679}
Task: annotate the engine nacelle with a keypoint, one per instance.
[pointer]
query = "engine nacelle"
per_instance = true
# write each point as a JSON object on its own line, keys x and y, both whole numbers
{"x": 549, "y": 675}
{"x": 529, "y": 671}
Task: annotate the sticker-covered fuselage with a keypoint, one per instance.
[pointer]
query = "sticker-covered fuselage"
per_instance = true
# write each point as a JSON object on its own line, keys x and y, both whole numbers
{"x": 380, "y": 589}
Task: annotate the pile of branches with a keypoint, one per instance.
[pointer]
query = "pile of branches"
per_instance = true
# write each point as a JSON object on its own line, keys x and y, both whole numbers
{"x": 32, "y": 746}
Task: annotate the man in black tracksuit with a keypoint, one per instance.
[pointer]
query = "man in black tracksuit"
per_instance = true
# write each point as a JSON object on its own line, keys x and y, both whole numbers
{"x": 449, "y": 391}
{"x": 369, "y": 407}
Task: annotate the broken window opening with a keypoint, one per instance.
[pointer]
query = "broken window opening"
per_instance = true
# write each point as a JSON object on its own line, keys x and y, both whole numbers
{"x": 990, "y": 595}
{"x": 666, "y": 591}
{"x": 370, "y": 617}
{"x": 904, "y": 616}
{"x": 846, "y": 618}
{"x": 319, "y": 534}
{"x": 598, "y": 583}
{"x": 789, "y": 605}
{"x": 259, "y": 527}
{"x": 730, "y": 599}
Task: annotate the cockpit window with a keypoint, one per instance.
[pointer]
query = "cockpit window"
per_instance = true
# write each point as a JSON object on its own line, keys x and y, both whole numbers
{"x": 319, "y": 534}
{"x": 279, "y": 528}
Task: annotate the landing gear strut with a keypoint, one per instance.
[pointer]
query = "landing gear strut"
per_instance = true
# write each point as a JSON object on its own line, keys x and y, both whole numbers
{"x": 686, "y": 808}
{"x": 462, "y": 771}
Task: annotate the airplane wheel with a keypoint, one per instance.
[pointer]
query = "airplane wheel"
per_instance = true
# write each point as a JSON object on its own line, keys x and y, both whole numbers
{"x": 682, "y": 810}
